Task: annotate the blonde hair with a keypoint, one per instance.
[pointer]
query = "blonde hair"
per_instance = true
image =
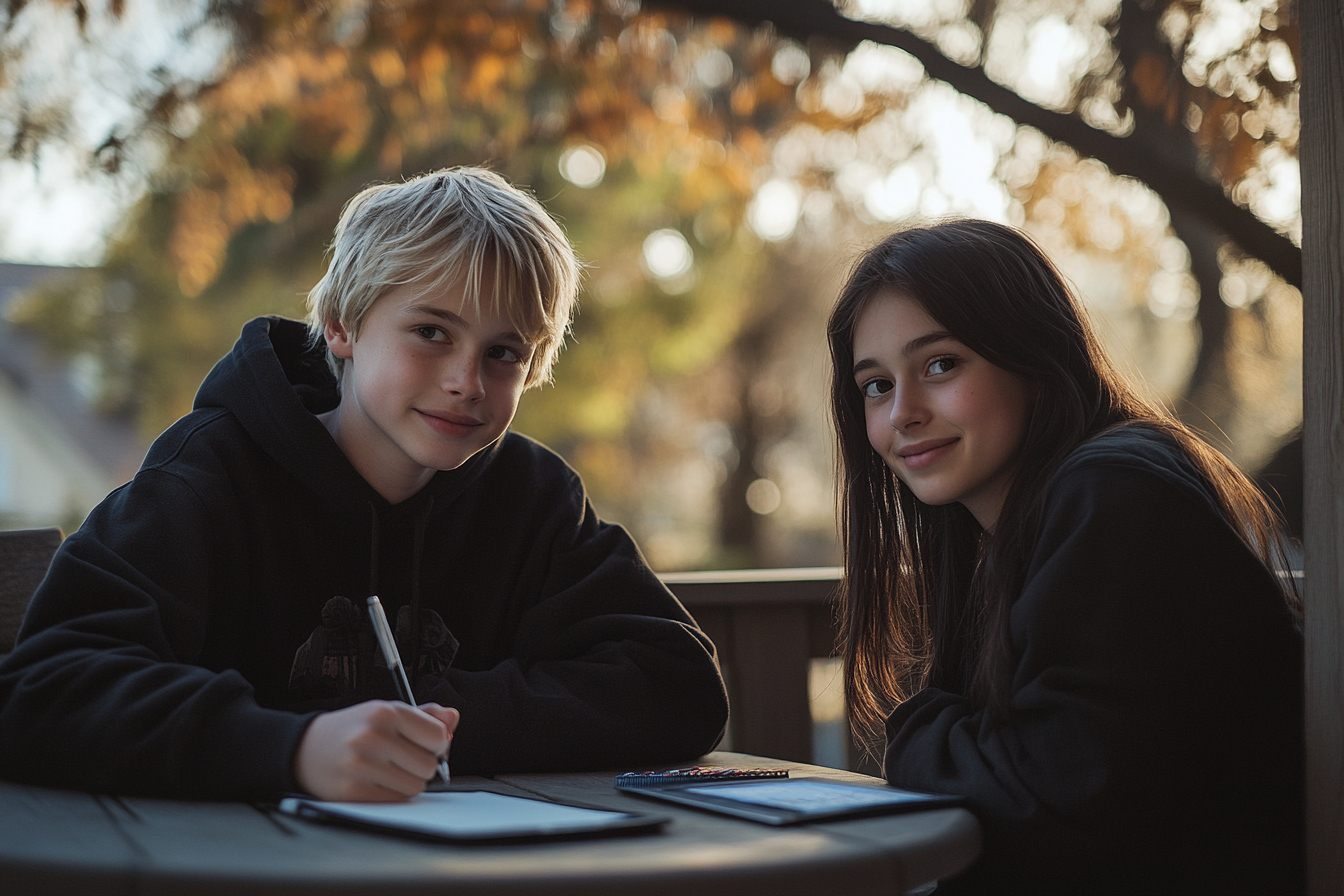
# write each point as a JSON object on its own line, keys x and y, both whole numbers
{"x": 456, "y": 223}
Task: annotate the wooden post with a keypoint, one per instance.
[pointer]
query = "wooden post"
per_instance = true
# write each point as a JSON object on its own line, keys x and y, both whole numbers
{"x": 772, "y": 716}
{"x": 1322, "y": 165}
{"x": 767, "y": 624}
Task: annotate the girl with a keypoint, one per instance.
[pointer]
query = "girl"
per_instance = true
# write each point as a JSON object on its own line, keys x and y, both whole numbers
{"x": 1063, "y": 602}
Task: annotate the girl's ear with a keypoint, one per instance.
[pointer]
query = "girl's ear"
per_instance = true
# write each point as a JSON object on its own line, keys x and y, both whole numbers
{"x": 339, "y": 340}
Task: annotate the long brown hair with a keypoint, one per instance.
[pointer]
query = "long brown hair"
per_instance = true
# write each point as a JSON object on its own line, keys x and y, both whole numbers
{"x": 926, "y": 592}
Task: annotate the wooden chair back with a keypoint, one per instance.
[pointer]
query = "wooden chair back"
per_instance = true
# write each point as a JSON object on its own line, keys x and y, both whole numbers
{"x": 25, "y": 555}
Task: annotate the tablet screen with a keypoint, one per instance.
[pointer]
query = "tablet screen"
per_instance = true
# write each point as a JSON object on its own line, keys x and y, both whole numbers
{"x": 807, "y": 796}
{"x": 471, "y": 815}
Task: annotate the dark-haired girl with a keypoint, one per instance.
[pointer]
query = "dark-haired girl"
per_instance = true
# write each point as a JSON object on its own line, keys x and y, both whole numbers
{"x": 1069, "y": 609}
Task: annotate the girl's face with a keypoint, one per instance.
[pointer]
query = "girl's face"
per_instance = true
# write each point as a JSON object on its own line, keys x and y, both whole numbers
{"x": 947, "y": 422}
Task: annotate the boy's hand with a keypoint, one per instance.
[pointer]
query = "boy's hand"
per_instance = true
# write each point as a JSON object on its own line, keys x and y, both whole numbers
{"x": 374, "y": 751}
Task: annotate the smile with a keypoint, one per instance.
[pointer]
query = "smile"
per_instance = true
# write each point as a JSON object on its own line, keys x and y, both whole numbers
{"x": 921, "y": 454}
{"x": 449, "y": 424}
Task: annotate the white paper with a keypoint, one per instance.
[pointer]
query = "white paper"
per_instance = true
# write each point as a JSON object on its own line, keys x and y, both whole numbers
{"x": 805, "y": 796}
{"x": 467, "y": 814}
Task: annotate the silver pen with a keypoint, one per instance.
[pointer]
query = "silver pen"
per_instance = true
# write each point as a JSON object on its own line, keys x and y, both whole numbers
{"x": 388, "y": 645}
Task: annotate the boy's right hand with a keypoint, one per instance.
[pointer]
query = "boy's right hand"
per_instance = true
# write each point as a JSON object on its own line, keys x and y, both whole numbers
{"x": 374, "y": 751}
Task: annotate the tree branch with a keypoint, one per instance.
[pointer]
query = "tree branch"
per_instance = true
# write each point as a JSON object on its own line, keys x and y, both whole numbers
{"x": 1139, "y": 155}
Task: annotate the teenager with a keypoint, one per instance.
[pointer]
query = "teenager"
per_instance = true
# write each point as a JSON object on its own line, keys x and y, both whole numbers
{"x": 204, "y": 633}
{"x": 1067, "y": 608}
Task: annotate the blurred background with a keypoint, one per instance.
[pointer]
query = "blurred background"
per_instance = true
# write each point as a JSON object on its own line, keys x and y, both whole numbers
{"x": 173, "y": 168}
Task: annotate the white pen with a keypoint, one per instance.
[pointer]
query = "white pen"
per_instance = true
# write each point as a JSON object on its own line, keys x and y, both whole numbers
{"x": 388, "y": 645}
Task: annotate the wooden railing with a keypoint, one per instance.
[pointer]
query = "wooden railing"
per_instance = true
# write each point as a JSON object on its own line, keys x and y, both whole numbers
{"x": 768, "y": 624}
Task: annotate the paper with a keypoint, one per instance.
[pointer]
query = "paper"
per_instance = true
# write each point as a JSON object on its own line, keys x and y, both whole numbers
{"x": 465, "y": 815}
{"x": 807, "y": 796}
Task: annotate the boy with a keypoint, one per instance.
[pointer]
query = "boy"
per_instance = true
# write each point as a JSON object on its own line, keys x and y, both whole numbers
{"x": 204, "y": 634}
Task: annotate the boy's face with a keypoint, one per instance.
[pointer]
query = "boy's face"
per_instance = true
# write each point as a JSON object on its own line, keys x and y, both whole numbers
{"x": 427, "y": 384}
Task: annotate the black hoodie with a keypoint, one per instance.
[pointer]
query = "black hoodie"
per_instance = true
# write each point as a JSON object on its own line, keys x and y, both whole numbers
{"x": 1152, "y": 740}
{"x": 188, "y": 632}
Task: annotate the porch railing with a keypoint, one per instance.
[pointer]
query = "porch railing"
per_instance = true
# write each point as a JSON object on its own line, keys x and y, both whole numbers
{"x": 768, "y": 625}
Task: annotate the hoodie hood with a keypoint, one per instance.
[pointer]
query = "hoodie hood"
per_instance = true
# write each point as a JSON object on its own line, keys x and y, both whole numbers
{"x": 275, "y": 381}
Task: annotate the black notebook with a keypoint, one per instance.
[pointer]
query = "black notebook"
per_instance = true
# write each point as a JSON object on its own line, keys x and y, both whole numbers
{"x": 796, "y": 800}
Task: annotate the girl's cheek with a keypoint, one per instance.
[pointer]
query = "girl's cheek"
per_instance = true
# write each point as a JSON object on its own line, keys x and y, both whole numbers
{"x": 875, "y": 434}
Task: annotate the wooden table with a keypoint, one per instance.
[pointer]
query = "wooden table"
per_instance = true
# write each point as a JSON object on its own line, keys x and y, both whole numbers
{"x": 54, "y": 841}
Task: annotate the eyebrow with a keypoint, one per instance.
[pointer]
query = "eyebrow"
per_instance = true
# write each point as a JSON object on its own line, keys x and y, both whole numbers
{"x": 457, "y": 320}
{"x": 911, "y": 347}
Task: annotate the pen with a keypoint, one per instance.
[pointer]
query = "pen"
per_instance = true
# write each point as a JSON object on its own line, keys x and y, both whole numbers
{"x": 388, "y": 645}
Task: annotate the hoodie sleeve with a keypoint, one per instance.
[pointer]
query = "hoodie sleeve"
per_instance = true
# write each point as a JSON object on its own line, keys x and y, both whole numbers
{"x": 1152, "y": 736}
{"x": 105, "y": 692}
{"x": 607, "y": 668}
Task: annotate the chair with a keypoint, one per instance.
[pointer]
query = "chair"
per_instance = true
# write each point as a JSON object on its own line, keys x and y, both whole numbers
{"x": 25, "y": 555}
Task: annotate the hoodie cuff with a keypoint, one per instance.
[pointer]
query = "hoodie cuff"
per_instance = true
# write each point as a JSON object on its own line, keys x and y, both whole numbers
{"x": 249, "y": 752}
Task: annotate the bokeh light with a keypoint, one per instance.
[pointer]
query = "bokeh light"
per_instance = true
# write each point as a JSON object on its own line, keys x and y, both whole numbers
{"x": 667, "y": 255}
{"x": 774, "y": 211}
{"x": 583, "y": 166}
{"x": 763, "y": 497}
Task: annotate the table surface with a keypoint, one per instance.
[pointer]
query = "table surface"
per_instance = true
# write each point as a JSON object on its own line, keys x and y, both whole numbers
{"x": 61, "y": 841}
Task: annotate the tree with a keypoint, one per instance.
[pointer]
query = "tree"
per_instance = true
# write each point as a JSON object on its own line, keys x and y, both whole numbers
{"x": 709, "y": 171}
{"x": 1193, "y": 125}
{"x": 316, "y": 102}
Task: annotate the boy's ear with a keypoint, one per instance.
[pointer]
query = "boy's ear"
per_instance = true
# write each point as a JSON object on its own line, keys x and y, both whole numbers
{"x": 339, "y": 341}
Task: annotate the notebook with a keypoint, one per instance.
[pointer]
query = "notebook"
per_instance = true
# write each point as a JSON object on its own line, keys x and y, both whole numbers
{"x": 472, "y": 815}
{"x": 795, "y": 801}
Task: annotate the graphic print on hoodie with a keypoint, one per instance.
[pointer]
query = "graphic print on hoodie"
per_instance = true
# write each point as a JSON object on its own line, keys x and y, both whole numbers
{"x": 341, "y": 656}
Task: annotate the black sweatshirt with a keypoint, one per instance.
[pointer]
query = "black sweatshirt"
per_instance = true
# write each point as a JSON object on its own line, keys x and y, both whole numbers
{"x": 187, "y": 633}
{"x": 1153, "y": 737}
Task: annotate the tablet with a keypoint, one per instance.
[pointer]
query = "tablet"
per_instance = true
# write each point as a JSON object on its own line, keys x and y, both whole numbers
{"x": 473, "y": 815}
{"x": 796, "y": 800}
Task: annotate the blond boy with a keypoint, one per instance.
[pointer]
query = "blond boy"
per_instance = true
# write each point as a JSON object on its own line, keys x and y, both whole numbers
{"x": 204, "y": 634}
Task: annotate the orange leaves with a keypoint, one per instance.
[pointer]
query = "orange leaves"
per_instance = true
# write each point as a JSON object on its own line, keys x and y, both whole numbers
{"x": 485, "y": 79}
{"x": 319, "y": 99}
{"x": 752, "y": 143}
{"x": 311, "y": 84}
{"x": 743, "y": 100}
{"x": 199, "y": 241}
{"x": 432, "y": 74}
{"x": 387, "y": 67}
{"x": 209, "y": 216}
{"x": 592, "y": 99}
